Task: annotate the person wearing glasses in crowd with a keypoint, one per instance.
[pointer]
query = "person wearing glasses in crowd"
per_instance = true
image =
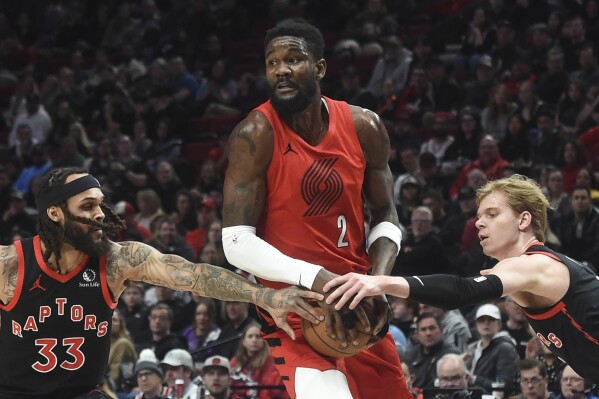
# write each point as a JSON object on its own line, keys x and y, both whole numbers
{"x": 534, "y": 381}
{"x": 573, "y": 386}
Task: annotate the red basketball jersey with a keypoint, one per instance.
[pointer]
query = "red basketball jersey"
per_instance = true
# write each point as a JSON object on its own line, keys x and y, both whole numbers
{"x": 314, "y": 208}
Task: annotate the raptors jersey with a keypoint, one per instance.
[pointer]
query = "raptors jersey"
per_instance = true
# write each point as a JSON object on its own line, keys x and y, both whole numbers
{"x": 570, "y": 328}
{"x": 314, "y": 209}
{"x": 55, "y": 332}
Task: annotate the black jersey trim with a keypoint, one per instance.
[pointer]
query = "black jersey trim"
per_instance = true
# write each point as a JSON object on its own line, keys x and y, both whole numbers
{"x": 20, "y": 277}
{"x": 63, "y": 278}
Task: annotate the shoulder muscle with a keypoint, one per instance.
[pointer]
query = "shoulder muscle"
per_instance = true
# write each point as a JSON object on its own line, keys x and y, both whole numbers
{"x": 373, "y": 136}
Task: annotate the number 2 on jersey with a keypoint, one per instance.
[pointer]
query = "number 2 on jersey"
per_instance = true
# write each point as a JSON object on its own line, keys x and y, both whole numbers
{"x": 342, "y": 224}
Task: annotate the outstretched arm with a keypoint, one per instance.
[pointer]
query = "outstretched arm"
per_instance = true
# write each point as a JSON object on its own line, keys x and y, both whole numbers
{"x": 542, "y": 279}
{"x": 140, "y": 262}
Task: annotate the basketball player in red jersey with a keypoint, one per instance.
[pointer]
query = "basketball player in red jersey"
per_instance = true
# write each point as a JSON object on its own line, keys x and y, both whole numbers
{"x": 59, "y": 288}
{"x": 302, "y": 168}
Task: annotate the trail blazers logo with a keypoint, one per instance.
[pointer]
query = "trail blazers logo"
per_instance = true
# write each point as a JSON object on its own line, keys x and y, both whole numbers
{"x": 321, "y": 186}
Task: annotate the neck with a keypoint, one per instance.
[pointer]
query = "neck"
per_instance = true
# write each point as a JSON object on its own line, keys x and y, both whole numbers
{"x": 69, "y": 259}
{"x": 223, "y": 395}
{"x": 516, "y": 324}
{"x": 310, "y": 124}
{"x": 520, "y": 246}
{"x": 157, "y": 336}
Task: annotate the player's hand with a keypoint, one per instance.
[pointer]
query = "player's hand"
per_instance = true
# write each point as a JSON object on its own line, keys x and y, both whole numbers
{"x": 382, "y": 310}
{"x": 341, "y": 325}
{"x": 279, "y": 303}
{"x": 352, "y": 285}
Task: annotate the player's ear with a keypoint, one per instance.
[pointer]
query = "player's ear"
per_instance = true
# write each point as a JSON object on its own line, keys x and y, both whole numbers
{"x": 321, "y": 69}
{"x": 55, "y": 213}
{"x": 525, "y": 219}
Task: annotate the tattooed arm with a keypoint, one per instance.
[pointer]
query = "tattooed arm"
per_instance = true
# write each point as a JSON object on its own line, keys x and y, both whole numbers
{"x": 140, "y": 262}
{"x": 8, "y": 273}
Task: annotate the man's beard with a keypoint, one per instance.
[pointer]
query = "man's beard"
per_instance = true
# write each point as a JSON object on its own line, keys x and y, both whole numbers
{"x": 81, "y": 238}
{"x": 297, "y": 103}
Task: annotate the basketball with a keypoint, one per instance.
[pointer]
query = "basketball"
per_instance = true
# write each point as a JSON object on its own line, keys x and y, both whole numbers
{"x": 317, "y": 338}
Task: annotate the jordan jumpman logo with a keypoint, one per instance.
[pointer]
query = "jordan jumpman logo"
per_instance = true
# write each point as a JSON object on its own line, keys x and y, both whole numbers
{"x": 37, "y": 284}
{"x": 290, "y": 149}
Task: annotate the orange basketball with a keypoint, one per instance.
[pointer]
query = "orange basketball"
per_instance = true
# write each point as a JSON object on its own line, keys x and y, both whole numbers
{"x": 317, "y": 338}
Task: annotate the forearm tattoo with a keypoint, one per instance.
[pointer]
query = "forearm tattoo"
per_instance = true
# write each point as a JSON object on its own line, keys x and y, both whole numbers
{"x": 177, "y": 273}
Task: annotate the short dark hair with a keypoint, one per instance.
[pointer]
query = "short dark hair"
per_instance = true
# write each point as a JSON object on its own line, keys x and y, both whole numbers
{"x": 304, "y": 30}
{"x": 529, "y": 364}
{"x": 427, "y": 315}
{"x": 581, "y": 187}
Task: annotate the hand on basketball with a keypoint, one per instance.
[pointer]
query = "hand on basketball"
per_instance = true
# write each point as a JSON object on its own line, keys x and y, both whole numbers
{"x": 353, "y": 285}
{"x": 341, "y": 325}
{"x": 292, "y": 299}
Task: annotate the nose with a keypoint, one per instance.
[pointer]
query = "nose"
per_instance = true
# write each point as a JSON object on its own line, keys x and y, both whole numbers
{"x": 283, "y": 69}
{"x": 478, "y": 223}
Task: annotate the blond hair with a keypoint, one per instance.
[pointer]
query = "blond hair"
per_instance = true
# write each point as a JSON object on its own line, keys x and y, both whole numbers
{"x": 523, "y": 195}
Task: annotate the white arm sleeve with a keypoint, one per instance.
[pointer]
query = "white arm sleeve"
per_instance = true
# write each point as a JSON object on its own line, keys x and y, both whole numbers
{"x": 254, "y": 255}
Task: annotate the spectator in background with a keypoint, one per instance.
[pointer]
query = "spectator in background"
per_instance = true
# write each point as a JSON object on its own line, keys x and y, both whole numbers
{"x": 351, "y": 90}
{"x": 528, "y": 103}
{"x": 580, "y": 229}
{"x": 573, "y": 386}
{"x": 505, "y": 50}
{"x": 588, "y": 74}
{"x": 40, "y": 164}
{"x": 217, "y": 377}
{"x": 78, "y": 133}
{"x": 222, "y": 87}
{"x": 570, "y": 106}
{"x": 540, "y": 45}
{"x": 493, "y": 358}
{"x": 494, "y": 117}
{"x": 167, "y": 240}
{"x": 127, "y": 172}
{"x": 441, "y": 139}
{"x": 409, "y": 199}
{"x": 451, "y": 372}
{"x": 477, "y": 39}
{"x": 238, "y": 319}
{"x": 36, "y": 117}
{"x": 159, "y": 337}
{"x": 453, "y": 229}
{"x": 141, "y": 141}
{"x": 552, "y": 83}
{"x": 434, "y": 201}
{"x": 394, "y": 64}
{"x": 479, "y": 91}
{"x": 166, "y": 182}
{"x": 15, "y": 218}
{"x": 185, "y": 211}
{"x": 424, "y": 355}
{"x": 409, "y": 161}
{"x": 134, "y": 230}
{"x": 166, "y": 147}
{"x": 574, "y": 41}
{"x": 182, "y": 82}
{"x": 422, "y": 251}
{"x": 489, "y": 161}
{"x": 573, "y": 159}
{"x": 69, "y": 154}
{"x": 208, "y": 179}
{"x": 464, "y": 148}
{"x": 206, "y": 213}
{"x": 149, "y": 380}
{"x": 203, "y": 330}
{"x": 517, "y": 326}
{"x": 100, "y": 165}
{"x": 23, "y": 145}
{"x": 455, "y": 327}
{"x": 134, "y": 311}
{"x": 533, "y": 380}
{"x": 150, "y": 208}
{"x": 546, "y": 140}
{"x": 253, "y": 358}
{"x": 178, "y": 364}
{"x": 515, "y": 146}
{"x": 122, "y": 356}
{"x": 586, "y": 177}
{"x": 417, "y": 97}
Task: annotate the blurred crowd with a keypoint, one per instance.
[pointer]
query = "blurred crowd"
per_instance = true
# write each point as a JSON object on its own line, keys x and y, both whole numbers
{"x": 143, "y": 94}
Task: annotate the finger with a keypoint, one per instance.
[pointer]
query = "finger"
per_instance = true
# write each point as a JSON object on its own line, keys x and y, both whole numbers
{"x": 347, "y": 295}
{"x": 334, "y": 282}
{"x": 329, "y": 323}
{"x": 379, "y": 325}
{"x": 353, "y": 335}
{"x": 363, "y": 317}
{"x": 311, "y": 295}
{"x": 357, "y": 298}
{"x": 337, "y": 293}
{"x": 340, "y": 329}
{"x": 308, "y": 312}
{"x": 287, "y": 328}
{"x": 485, "y": 272}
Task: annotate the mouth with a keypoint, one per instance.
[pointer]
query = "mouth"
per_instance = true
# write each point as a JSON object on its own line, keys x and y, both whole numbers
{"x": 285, "y": 87}
{"x": 482, "y": 238}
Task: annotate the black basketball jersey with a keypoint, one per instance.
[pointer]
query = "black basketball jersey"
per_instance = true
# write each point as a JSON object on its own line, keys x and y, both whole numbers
{"x": 55, "y": 332}
{"x": 570, "y": 328}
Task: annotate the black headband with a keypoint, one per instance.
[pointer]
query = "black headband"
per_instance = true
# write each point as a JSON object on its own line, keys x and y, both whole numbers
{"x": 60, "y": 193}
